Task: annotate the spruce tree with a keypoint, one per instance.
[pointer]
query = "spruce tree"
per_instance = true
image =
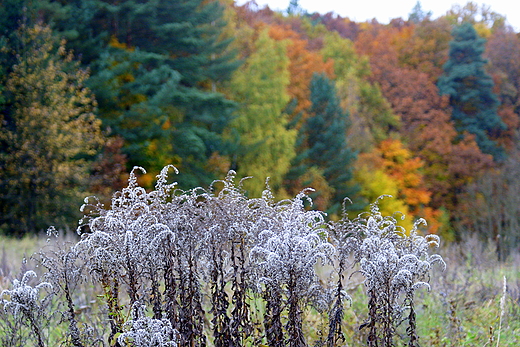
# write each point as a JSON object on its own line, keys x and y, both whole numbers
{"x": 470, "y": 88}
{"x": 324, "y": 142}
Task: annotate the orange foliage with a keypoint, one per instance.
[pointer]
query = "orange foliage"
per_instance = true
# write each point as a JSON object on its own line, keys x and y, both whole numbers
{"x": 405, "y": 170}
{"x": 406, "y": 173}
{"x": 422, "y": 47}
{"x": 434, "y": 218}
{"x": 302, "y": 66}
{"x": 376, "y": 43}
{"x": 218, "y": 164}
{"x": 507, "y": 137}
{"x": 450, "y": 161}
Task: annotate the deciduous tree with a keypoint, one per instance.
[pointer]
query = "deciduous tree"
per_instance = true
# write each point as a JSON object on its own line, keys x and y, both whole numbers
{"x": 49, "y": 137}
{"x": 265, "y": 146}
{"x": 303, "y": 64}
{"x": 372, "y": 117}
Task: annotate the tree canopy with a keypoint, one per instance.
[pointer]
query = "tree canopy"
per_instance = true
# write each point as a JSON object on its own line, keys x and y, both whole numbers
{"x": 47, "y": 137}
{"x": 470, "y": 89}
{"x": 421, "y": 108}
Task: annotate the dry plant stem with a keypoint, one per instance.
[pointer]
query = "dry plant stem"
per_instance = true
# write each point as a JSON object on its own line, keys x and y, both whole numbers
{"x": 12, "y": 337}
{"x": 220, "y": 303}
{"x": 411, "y": 331}
{"x": 240, "y": 321}
{"x": 73, "y": 325}
{"x": 272, "y": 319}
{"x": 294, "y": 322}
{"x": 191, "y": 313}
{"x": 131, "y": 275}
{"x": 33, "y": 321}
{"x": 336, "y": 314}
{"x": 61, "y": 267}
{"x": 502, "y": 309}
{"x": 186, "y": 327}
{"x": 171, "y": 306}
{"x": 111, "y": 288}
{"x": 155, "y": 295}
{"x": 455, "y": 322}
{"x": 388, "y": 317}
{"x": 373, "y": 316}
{"x": 27, "y": 308}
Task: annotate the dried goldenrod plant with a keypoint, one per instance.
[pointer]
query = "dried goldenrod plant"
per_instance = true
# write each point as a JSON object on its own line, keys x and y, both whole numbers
{"x": 168, "y": 267}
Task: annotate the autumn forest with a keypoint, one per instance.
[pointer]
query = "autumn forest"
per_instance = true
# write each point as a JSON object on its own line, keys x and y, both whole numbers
{"x": 424, "y": 109}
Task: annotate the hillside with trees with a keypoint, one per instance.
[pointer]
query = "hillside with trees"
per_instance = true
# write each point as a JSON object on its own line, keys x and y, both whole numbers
{"x": 424, "y": 109}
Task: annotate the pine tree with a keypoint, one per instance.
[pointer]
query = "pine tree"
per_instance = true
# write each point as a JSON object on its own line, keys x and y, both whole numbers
{"x": 324, "y": 142}
{"x": 470, "y": 90}
{"x": 47, "y": 137}
{"x": 294, "y": 8}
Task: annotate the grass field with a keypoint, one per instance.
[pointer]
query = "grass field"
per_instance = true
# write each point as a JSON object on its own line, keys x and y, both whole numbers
{"x": 468, "y": 304}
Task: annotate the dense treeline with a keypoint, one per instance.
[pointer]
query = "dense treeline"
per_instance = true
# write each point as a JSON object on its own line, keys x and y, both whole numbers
{"x": 424, "y": 109}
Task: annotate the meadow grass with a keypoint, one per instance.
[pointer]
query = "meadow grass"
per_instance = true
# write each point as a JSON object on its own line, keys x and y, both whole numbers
{"x": 212, "y": 267}
{"x": 12, "y": 253}
{"x": 462, "y": 309}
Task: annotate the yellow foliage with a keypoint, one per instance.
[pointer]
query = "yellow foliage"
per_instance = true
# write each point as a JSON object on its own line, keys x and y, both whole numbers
{"x": 114, "y": 42}
{"x": 483, "y": 30}
{"x": 161, "y": 152}
{"x": 260, "y": 86}
{"x": 398, "y": 162}
{"x": 53, "y": 130}
{"x": 146, "y": 180}
{"x": 374, "y": 183}
{"x": 391, "y": 169}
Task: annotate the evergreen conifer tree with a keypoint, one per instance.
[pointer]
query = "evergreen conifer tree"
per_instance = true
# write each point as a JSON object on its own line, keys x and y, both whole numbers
{"x": 324, "y": 140}
{"x": 155, "y": 76}
{"x": 418, "y": 15}
{"x": 470, "y": 88}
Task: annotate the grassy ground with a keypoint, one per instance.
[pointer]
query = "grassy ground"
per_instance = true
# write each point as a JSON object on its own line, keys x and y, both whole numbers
{"x": 12, "y": 253}
{"x": 467, "y": 304}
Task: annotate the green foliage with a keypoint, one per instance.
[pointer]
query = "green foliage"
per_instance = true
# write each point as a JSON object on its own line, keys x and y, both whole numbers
{"x": 323, "y": 137}
{"x": 265, "y": 145}
{"x": 155, "y": 75}
{"x": 48, "y": 136}
{"x": 370, "y": 112}
{"x": 470, "y": 90}
{"x": 159, "y": 68}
